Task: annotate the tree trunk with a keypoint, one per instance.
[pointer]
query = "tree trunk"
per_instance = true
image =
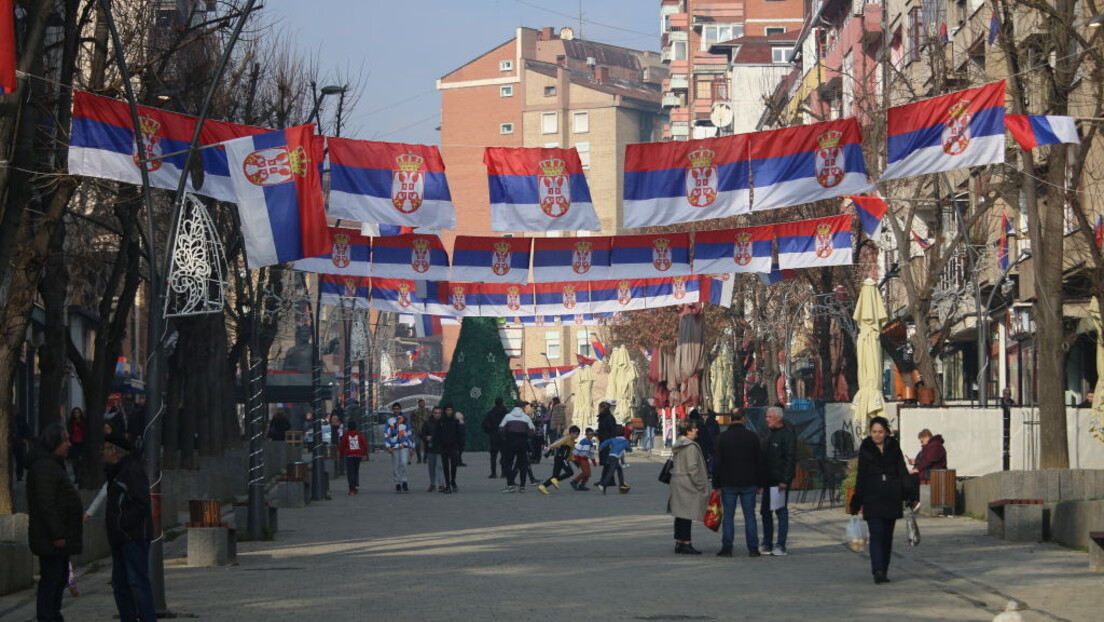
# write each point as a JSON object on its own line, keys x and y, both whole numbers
{"x": 52, "y": 360}
{"x": 1049, "y": 335}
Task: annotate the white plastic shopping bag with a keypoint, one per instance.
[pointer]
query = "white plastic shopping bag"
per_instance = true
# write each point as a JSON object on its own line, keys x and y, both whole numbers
{"x": 856, "y": 535}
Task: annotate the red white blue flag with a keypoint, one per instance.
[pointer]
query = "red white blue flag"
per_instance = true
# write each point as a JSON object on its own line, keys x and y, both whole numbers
{"x": 600, "y": 350}
{"x": 807, "y": 163}
{"x": 278, "y": 189}
{"x": 8, "y": 82}
{"x": 650, "y": 256}
{"x": 733, "y": 250}
{"x": 685, "y": 181}
{"x": 398, "y": 295}
{"x": 490, "y": 259}
{"x": 1098, "y": 231}
{"x": 391, "y": 183}
{"x": 563, "y": 298}
{"x": 618, "y": 295}
{"x": 777, "y": 274}
{"x": 814, "y": 243}
{"x": 871, "y": 210}
{"x": 571, "y": 259}
{"x": 504, "y": 299}
{"x": 921, "y": 241}
{"x": 410, "y": 256}
{"x": 943, "y": 133}
{"x": 671, "y": 292}
{"x": 538, "y": 189}
{"x": 718, "y": 289}
{"x": 452, "y": 298}
{"x": 101, "y": 144}
{"x": 1036, "y": 130}
{"x": 347, "y": 291}
{"x": 350, "y": 253}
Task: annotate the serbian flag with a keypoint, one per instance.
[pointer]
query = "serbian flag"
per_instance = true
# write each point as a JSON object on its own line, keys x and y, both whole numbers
{"x": 671, "y": 292}
{"x": 650, "y": 256}
{"x": 571, "y": 259}
{"x": 391, "y": 183}
{"x": 921, "y": 241}
{"x": 777, "y": 274}
{"x": 278, "y": 190}
{"x": 716, "y": 289}
{"x": 563, "y": 298}
{"x": 807, "y": 163}
{"x": 410, "y": 256}
{"x": 815, "y": 243}
{"x": 490, "y": 259}
{"x": 504, "y": 299}
{"x": 452, "y": 298}
{"x": 538, "y": 189}
{"x": 599, "y": 349}
{"x": 733, "y": 250}
{"x": 1098, "y": 231}
{"x": 943, "y": 133}
{"x": 398, "y": 295}
{"x": 8, "y": 82}
{"x": 1036, "y": 130}
{"x": 427, "y": 326}
{"x": 618, "y": 295}
{"x": 871, "y": 210}
{"x": 347, "y": 291}
{"x": 350, "y": 253}
{"x": 101, "y": 144}
{"x": 686, "y": 181}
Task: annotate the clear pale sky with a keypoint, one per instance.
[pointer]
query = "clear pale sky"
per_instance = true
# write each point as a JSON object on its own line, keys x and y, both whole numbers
{"x": 400, "y": 47}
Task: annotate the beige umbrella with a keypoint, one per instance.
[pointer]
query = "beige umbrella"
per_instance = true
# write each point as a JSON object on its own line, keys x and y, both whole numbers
{"x": 870, "y": 316}
{"x": 1096, "y": 426}
{"x": 622, "y": 379}
{"x": 583, "y": 415}
{"x": 720, "y": 385}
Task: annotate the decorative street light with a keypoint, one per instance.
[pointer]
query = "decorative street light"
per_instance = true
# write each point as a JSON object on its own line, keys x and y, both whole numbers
{"x": 983, "y": 329}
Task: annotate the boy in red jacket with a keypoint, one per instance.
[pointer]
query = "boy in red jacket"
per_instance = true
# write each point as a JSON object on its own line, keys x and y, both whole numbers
{"x": 353, "y": 448}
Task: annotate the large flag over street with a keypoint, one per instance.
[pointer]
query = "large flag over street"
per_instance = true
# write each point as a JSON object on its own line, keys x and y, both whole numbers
{"x": 350, "y": 253}
{"x": 8, "y": 83}
{"x": 685, "y": 181}
{"x": 278, "y": 189}
{"x": 814, "y": 243}
{"x": 491, "y": 260}
{"x": 960, "y": 129}
{"x": 392, "y": 183}
{"x": 1036, "y": 130}
{"x": 619, "y": 295}
{"x": 871, "y": 211}
{"x": 504, "y": 299}
{"x": 399, "y": 295}
{"x": 674, "y": 291}
{"x": 571, "y": 259}
{"x": 455, "y": 298}
{"x": 733, "y": 250}
{"x": 102, "y": 145}
{"x": 650, "y": 256}
{"x": 561, "y": 298}
{"x": 410, "y": 256}
{"x": 807, "y": 163}
{"x": 351, "y": 292}
{"x": 538, "y": 189}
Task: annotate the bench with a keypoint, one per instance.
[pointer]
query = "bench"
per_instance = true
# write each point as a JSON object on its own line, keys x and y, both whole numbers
{"x": 1096, "y": 551}
{"x": 294, "y": 437}
{"x": 1018, "y": 520}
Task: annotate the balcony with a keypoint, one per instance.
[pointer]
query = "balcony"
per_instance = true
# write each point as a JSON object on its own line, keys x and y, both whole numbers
{"x": 680, "y": 21}
{"x": 670, "y": 100}
{"x": 666, "y": 54}
{"x": 680, "y": 130}
{"x": 679, "y": 82}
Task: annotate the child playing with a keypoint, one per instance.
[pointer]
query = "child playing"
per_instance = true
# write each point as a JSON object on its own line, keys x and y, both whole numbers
{"x": 584, "y": 457}
{"x": 561, "y": 468}
{"x": 617, "y": 448}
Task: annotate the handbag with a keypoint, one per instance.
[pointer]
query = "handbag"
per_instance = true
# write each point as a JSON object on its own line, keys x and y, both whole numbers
{"x": 911, "y": 528}
{"x": 665, "y": 472}
{"x": 713, "y": 511}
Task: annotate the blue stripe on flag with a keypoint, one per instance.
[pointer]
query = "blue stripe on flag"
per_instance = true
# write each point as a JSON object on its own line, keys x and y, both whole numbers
{"x": 986, "y": 122}
{"x": 374, "y": 182}
{"x": 643, "y": 185}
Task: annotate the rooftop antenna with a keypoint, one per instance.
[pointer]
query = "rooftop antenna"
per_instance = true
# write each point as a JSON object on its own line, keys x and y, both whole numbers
{"x": 580, "y": 35}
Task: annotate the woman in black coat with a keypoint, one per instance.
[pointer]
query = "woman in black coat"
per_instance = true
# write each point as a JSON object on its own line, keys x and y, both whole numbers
{"x": 882, "y": 486}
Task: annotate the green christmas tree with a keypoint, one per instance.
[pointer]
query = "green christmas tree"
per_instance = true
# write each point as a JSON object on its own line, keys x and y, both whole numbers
{"x": 480, "y": 372}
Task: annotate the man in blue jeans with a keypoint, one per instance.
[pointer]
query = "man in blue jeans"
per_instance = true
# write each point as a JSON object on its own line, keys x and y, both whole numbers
{"x": 738, "y": 473}
{"x": 129, "y": 530}
{"x": 650, "y": 418}
{"x": 780, "y": 454}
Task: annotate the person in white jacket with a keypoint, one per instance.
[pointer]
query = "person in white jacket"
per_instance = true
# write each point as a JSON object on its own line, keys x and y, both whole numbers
{"x": 516, "y": 426}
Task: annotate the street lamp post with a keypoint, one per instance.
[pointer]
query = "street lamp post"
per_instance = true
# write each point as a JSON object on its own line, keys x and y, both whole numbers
{"x": 983, "y": 329}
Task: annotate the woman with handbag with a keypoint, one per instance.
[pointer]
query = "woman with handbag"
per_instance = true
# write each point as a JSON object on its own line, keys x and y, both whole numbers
{"x": 689, "y": 486}
{"x": 881, "y": 488}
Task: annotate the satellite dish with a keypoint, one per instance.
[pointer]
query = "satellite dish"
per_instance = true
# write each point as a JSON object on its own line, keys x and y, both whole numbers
{"x": 566, "y": 33}
{"x": 721, "y": 115}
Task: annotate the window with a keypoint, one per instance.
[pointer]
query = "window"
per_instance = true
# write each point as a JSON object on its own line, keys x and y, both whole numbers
{"x": 550, "y": 91}
{"x": 916, "y": 32}
{"x": 582, "y": 342}
{"x": 781, "y": 55}
{"x": 506, "y": 128}
{"x": 549, "y": 123}
{"x": 678, "y": 50}
{"x": 775, "y": 30}
{"x": 703, "y": 88}
{"x": 584, "y": 154}
{"x": 505, "y": 65}
{"x": 718, "y": 33}
{"x": 552, "y": 344}
{"x": 506, "y": 91}
{"x": 581, "y": 122}
{"x": 552, "y": 145}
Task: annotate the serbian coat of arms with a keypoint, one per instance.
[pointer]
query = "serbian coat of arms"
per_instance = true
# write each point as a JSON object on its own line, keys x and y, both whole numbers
{"x": 581, "y": 257}
{"x": 554, "y": 187}
{"x": 956, "y": 129}
{"x": 569, "y": 296}
{"x": 661, "y": 254}
{"x": 151, "y": 143}
{"x": 458, "y": 298}
{"x": 404, "y": 294}
{"x": 742, "y": 252}
{"x": 500, "y": 260}
{"x": 624, "y": 293}
{"x": 419, "y": 255}
{"x": 830, "y": 159}
{"x": 701, "y": 178}
{"x": 340, "y": 253}
{"x": 275, "y": 165}
{"x": 513, "y": 298}
{"x": 408, "y": 183}
{"x": 823, "y": 240}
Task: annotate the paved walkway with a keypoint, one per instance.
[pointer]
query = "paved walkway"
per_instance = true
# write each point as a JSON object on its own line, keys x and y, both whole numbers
{"x": 481, "y": 555}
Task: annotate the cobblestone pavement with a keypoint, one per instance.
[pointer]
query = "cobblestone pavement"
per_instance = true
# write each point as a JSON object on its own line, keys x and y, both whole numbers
{"x": 482, "y": 555}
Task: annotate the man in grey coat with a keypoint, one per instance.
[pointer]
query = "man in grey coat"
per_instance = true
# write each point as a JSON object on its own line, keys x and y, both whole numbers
{"x": 780, "y": 453}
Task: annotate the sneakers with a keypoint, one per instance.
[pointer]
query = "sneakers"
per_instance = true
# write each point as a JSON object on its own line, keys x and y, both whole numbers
{"x": 574, "y": 484}
{"x": 441, "y": 489}
{"x": 582, "y": 488}
{"x": 556, "y": 483}
{"x": 542, "y": 489}
{"x": 778, "y": 551}
{"x": 765, "y": 549}
{"x": 454, "y": 488}
{"x": 521, "y": 489}
{"x": 509, "y": 489}
{"x": 602, "y": 488}
{"x": 686, "y": 549}
{"x": 447, "y": 491}
{"x": 405, "y": 488}
{"x": 753, "y": 552}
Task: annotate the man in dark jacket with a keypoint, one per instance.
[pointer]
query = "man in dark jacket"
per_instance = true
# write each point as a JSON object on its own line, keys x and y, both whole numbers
{"x": 607, "y": 429}
{"x": 54, "y": 506}
{"x": 738, "y": 473}
{"x": 129, "y": 529}
{"x": 650, "y": 418}
{"x": 780, "y": 453}
{"x": 494, "y": 436}
{"x": 448, "y": 442}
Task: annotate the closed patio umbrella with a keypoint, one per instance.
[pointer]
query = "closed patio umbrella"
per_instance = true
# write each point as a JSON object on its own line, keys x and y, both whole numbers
{"x": 870, "y": 315}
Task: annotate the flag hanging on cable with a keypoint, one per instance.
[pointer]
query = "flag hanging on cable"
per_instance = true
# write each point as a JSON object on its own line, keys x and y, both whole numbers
{"x": 815, "y": 243}
{"x": 733, "y": 250}
{"x": 994, "y": 29}
{"x": 1098, "y": 231}
{"x": 617, "y": 295}
{"x": 718, "y": 289}
{"x": 410, "y": 256}
{"x": 504, "y": 299}
{"x": 343, "y": 290}
{"x": 490, "y": 259}
{"x": 670, "y": 292}
{"x": 944, "y": 133}
{"x": 1036, "y": 130}
{"x": 777, "y": 274}
{"x": 563, "y": 298}
{"x": 921, "y": 241}
{"x": 650, "y": 256}
{"x": 398, "y": 295}
{"x": 538, "y": 189}
{"x": 278, "y": 189}
{"x": 8, "y": 82}
{"x": 452, "y": 298}
{"x": 571, "y": 259}
{"x": 871, "y": 210}
{"x": 350, "y": 253}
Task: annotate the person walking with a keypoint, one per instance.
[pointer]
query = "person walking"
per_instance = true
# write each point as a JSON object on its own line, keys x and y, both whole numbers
{"x": 516, "y": 426}
{"x": 353, "y": 449}
{"x": 558, "y": 422}
{"x": 491, "y": 426}
{"x": 448, "y": 443}
{"x": 428, "y": 435}
{"x": 54, "y": 529}
{"x": 398, "y": 439}
{"x": 738, "y": 473}
{"x": 689, "y": 494}
{"x": 650, "y": 417}
{"x": 78, "y": 431}
{"x": 780, "y": 454}
{"x": 417, "y": 420}
{"x": 607, "y": 429}
{"x": 616, "y": 448}
{"x": 881, "y": 489}
{"x": 129, "y": 529}
{"x": 584, "y": 459}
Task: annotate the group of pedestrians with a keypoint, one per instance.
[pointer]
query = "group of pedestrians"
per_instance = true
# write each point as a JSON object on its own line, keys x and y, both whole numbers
{"x": 438, "y": 438}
